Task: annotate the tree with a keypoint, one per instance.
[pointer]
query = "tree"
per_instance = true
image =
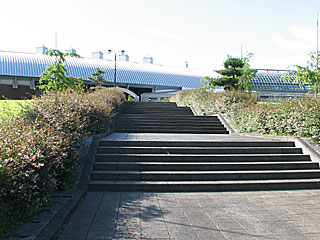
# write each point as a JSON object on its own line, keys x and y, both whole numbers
{"x": 236, "y": 74}
{"x": 98, "y": 77}
{"x": 247, "y": 73}
{"x": 56, "y": 76}
{"x": 309, "y": 75}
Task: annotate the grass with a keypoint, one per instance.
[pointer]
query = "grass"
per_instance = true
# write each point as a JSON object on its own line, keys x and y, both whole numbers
{"x": 269, "y": 103}
{"x": 12, "y": 107}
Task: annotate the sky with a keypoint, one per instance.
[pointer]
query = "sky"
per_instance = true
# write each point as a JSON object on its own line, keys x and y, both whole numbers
{"x": 279, "y": 33}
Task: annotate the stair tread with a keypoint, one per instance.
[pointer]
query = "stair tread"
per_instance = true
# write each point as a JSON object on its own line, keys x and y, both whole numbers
{"x": 204, "y": 182}
{"x": 204, "y": 163}
{"x": 209, "y": 172}
{"x": 201, "y": 148}
{"x": 197, "y": 155}
{"x": 181, "y": 143}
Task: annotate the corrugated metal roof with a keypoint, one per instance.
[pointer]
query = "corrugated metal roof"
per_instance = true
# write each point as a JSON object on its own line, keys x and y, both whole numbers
{"x": 272, "y": 81}
{"x": 33, "y": 65}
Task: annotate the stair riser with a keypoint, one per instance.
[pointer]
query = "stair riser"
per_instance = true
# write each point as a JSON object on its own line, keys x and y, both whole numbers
{"x": 151, "y": 114}
{"x": 202, "y": 167}
{"x": 149, "y": 104}
{"x": 159, "y": 116}
{"x": 132, "y": 127}
{"x": 147, "y": 110}
{"x": 171, "y": 131}
{"x": 202, "y": 187}
{"x": 166, "y": 124}
{"x": 198, "y": 151}
{"x": 202, "y": 177}
{"x": 154, "y": 158}
{"x": 195, "y": 144}
{"x": 153, "y": 107}
{"x": 167, "y": 120}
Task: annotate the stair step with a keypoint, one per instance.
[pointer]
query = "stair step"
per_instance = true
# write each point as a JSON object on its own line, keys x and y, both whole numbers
{"x": 202, "y": 158}
{"x": 198, "y": 150}
{"x": 197, "y": 143}
{"x": 208, "y": 186}
{"x": 204, "y": 175}
{"x": 172, "y": 131}
{"x": 129, "y": 122}
{"x": 166, "y": 124}
{"x": 133, "y": 110}
{"x": 159, "y": 116}
{"x": 185, "y": 128}
{"x": 203, "y": 166}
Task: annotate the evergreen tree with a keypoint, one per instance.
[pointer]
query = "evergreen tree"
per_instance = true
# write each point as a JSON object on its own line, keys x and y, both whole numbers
{"x": 236, "y": 74}
{"x": 98, "y": 77}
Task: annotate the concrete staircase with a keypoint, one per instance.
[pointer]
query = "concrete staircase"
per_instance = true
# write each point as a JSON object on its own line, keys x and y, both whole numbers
{"x": 171, "y": 166}
{"x": 183, "y": 166}
{"x": 165, "y": 118}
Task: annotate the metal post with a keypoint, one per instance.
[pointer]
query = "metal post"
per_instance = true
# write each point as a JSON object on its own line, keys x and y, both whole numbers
{"x": 115, "y": 71}
{"x": 316, "y": 90}
{"x": 317, "y": 40}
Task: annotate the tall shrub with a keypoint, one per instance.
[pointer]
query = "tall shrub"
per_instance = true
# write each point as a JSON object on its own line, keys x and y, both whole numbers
{"x": 40, "y": 148}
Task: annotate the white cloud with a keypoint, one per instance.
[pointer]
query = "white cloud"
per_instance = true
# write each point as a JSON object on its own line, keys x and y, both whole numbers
{"x": 297, "y": 39}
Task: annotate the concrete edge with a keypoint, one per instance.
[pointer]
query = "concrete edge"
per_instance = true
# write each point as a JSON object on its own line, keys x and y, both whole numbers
{"x": 53, "y": 228}
{"x": 307, "y": 145}
{"x": 194, "y": 111}
{"x": 230, "y": 128}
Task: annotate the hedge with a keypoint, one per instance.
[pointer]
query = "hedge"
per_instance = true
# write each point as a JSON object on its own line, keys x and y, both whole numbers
{"x": 40, "y": 147}
{"x": 208, "y": 103}
{"x": 297, "y": 117}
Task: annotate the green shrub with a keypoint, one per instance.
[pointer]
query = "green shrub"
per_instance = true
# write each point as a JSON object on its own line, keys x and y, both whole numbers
{"x": 165, "y": 99}
{"x": 298, "y": 117}
{"x": 40, "y": 148}
{"x": 130, "y": 98}
{"x": 208, "y": 103}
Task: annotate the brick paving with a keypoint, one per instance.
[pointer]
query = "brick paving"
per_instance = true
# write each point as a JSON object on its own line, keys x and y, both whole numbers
{"x": 227, "y": 215}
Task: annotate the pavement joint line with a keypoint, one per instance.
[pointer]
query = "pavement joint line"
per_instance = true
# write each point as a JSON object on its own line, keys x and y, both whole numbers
{"x": 93, "y": 218}
{"x": 162, "y": 215}
{"x": 117, "y": 218}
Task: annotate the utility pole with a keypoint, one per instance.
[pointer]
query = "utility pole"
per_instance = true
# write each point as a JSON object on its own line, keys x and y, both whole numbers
{"x": 316, "y": 90}
{"x": 317, "y": 39}
{"x": 241, "y": 52}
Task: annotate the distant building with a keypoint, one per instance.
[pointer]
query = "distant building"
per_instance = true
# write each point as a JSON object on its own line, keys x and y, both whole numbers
{"x": 270, "y": 86}
{"x": 20, "y": 73}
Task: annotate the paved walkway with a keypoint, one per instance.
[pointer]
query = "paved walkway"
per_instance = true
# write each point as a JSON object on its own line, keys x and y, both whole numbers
{"x": 227, "y": 215}
{"x": 235, "y": 215}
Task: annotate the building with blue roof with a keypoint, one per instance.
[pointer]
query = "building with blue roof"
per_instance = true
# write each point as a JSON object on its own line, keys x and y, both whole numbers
{"x": 20, "y": 73}
{"x": 270, "y": 85}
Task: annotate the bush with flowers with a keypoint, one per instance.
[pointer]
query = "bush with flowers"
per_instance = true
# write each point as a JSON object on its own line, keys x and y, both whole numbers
{"x": 40, "y": 147}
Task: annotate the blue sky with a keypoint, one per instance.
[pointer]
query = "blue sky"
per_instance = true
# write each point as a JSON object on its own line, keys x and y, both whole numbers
{"x": 203, "y": 32}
